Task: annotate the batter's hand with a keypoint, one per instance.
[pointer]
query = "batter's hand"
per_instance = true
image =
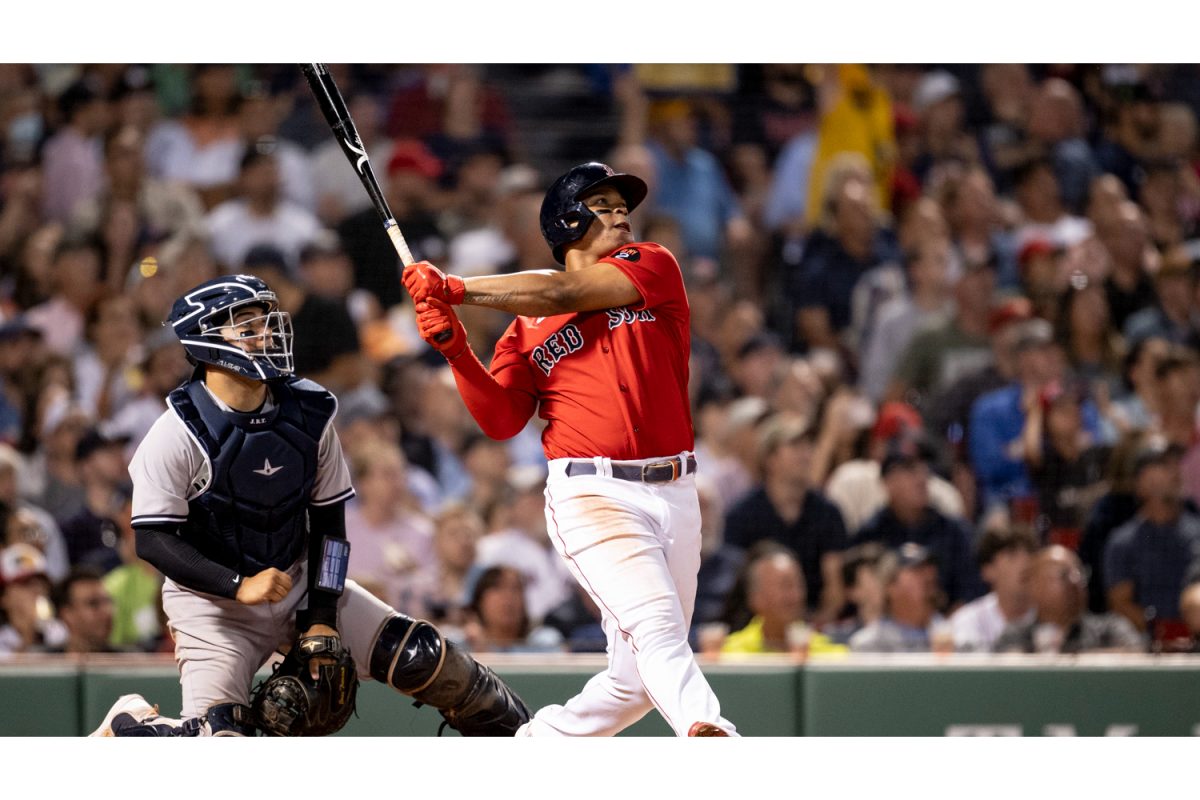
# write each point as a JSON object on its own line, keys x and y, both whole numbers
{"x": 434, "y": 317}
{"x": 269, "y": 586}
{"x": 423, "y": 280}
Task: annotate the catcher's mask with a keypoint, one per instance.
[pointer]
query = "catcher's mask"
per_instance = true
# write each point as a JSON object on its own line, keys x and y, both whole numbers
{"x": 234, "y": 322}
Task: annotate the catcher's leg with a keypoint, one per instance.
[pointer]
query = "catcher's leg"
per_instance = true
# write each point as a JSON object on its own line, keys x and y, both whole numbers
{"x": 413, "y": 657}
{"x": 224, "y": 719}
{"x": 131, "y": 715}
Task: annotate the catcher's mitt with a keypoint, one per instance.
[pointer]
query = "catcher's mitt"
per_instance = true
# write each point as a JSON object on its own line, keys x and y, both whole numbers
{"x": 291, "y": 703}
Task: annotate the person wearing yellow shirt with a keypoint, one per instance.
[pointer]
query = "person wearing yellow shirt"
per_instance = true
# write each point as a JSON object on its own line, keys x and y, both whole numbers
{"x": 855, "y": 117}
{"x": 774, "y": 594}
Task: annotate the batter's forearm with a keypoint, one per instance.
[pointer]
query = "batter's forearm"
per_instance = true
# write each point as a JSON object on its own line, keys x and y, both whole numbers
{"x": 547, "y": 293}
{"x": 528, "y": 294}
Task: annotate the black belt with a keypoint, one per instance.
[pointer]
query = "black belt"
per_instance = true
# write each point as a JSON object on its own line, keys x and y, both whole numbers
{"x": 663, "y": 471}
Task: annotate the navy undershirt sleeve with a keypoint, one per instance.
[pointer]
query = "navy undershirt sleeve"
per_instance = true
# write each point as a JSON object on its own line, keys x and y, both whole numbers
{"x": 180, "y": 561}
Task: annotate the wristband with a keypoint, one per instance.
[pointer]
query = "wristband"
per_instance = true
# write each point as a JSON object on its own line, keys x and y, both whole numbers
{"x": 456, "y": 290}
{"x": 335, "y": 559}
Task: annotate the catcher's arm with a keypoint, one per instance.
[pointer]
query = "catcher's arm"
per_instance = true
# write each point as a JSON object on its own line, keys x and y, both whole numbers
{"x": 328, "y": 558}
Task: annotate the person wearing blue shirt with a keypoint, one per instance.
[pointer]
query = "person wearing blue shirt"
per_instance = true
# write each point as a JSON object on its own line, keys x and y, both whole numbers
{"x": 691, "y": 186}
{"x": 998, "y": 417}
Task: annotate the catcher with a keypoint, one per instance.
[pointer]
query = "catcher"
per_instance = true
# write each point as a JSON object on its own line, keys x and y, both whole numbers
{"x": 238, "y": 499}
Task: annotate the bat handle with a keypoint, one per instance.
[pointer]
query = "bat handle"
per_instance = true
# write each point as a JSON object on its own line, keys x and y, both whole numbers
{"x": 406, "y": 258}
{"x": 393, "y": 232}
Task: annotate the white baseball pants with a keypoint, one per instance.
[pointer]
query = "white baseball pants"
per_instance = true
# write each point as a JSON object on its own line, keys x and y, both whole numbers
{"x": 635, "y": 548}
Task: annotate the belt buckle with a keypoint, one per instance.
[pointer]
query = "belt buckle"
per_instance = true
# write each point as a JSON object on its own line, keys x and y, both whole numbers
{"x": 673, "y": 463}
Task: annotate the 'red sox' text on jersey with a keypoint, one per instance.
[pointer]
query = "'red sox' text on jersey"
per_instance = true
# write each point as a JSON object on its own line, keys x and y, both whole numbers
{"x": 610, "y": 382}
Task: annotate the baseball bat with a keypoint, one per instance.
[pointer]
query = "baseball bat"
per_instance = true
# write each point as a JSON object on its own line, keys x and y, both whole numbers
{"x": 333, "y": 107}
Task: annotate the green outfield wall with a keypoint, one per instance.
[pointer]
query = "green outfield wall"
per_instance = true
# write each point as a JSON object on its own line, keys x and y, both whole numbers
{"x": 894, "y": 696}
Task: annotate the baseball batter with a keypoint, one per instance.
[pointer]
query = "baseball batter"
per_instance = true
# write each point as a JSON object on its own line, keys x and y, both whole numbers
{"x": 600, "y": 351}
{"x": 238, "y": 499}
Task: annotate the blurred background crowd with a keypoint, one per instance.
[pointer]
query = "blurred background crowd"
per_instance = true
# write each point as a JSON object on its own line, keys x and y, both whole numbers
{"x": 945, "y": 322}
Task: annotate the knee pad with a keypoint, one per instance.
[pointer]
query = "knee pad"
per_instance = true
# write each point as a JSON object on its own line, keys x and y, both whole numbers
{"x": 413, "y": 657}
{"x": 226, "y": 719}
{"x": 407, "y": 655}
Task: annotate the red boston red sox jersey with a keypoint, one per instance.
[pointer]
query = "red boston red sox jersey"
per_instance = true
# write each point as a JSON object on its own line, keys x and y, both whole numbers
{"x": 612, "y": 382}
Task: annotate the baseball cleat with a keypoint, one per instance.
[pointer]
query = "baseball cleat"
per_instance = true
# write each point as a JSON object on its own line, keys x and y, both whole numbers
{"x": 129, "y": 708}
{"x": 705, "y": 729}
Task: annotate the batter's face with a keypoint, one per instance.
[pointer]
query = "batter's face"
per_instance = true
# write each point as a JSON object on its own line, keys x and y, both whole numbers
{"x": 611, "y": 228}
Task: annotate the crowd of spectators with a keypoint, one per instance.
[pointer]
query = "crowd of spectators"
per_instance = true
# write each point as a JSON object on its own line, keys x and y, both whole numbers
{"x": 945, "y": 337}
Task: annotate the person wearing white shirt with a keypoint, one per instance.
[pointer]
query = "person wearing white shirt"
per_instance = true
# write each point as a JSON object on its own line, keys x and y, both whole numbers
{"x": 260, "y": 215}
{"x": 1005, "y": 561}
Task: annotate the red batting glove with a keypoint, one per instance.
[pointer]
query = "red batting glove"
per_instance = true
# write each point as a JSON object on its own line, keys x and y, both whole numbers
{"x": 434, "y": 317}
{"x": 424, "y": 280}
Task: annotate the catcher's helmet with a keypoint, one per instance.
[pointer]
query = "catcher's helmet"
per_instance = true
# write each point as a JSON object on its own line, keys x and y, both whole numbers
{"x": 565, "y": 219}
{"x": 203, "y": 319}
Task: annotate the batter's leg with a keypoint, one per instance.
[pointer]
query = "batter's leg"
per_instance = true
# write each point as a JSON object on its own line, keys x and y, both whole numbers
{"x": 610, "y": 702}
{"x": 616, "y": 555}
{"x": 680, "y": 536}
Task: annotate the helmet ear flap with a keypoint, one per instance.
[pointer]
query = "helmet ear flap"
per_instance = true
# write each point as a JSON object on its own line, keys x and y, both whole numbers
{"x": 575, "y": 220}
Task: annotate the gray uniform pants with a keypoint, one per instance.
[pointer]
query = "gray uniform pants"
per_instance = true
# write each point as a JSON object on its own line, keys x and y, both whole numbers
{"x": 220, "y": 643}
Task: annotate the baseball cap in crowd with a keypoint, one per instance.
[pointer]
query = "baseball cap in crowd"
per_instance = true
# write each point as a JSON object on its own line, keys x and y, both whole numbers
{"x": 261, "y": 149}
{"x": 1014, "y": 309}
{"x": 325, "y": 244}
{"x": 747, "y": 412}
{"x": 411, "y": 155}
{"x": 894, "y": 419}
{"x": 911, "y": 554}
{"x": 516, "y": 179}
{"x": 1055, "y": 391}
{"x": 905, "y": 450}
{"x": 1034, "y": 333}
{"x": 21, "y": 561}
{"x": 933, "y": 89}
{"x": 778, "y": 431}
{"x": 368, "y": 404}
{"x": 1156, "y": 451}
{"x": 93, "y": 440}
{"x": 1036, "y": 247}
{"x": 265, "y": 255}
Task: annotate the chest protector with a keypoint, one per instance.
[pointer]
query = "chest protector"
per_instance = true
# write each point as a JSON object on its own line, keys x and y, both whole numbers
{"x": 254, "y": 512}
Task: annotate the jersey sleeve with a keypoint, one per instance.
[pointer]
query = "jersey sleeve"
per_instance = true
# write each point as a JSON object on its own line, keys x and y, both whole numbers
{"x": 500, "y": 400}
{"x": 333, "y": 475}
{"x": 656, "y": 274}
{"x": 166, "y": 469}
{"x": 509, "y": 366}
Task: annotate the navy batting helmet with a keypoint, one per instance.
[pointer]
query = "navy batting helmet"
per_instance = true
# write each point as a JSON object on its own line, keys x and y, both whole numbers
{"x": 213, "y": 328}
{"x": 565, "y": 219}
